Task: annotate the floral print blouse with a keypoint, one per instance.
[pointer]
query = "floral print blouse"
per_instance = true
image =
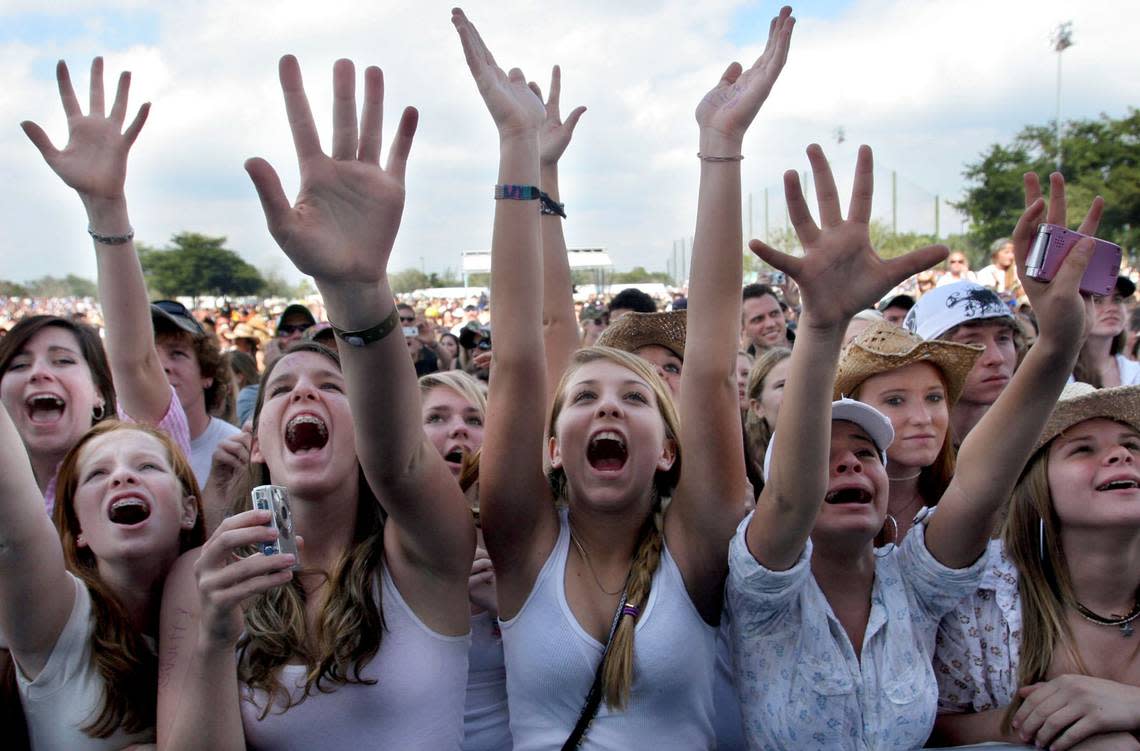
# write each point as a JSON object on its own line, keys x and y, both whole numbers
{"x": 978, "y": 644}
{"x": 800, "y": 682}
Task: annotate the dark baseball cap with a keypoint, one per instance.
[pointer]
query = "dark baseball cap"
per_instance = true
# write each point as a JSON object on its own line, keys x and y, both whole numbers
{"x": 169, "y": 313}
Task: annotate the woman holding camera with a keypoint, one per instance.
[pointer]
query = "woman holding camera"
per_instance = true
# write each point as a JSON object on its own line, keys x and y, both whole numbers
{"x": 333, "y": 655}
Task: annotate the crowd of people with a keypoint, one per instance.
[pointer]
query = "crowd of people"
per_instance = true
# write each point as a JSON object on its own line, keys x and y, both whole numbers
{"x": 907, "y": 515}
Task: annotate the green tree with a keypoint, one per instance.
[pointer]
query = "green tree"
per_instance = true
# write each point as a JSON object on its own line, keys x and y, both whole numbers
{"x": 638, "y": 274}
{"x": 1100, "y": 157}
{"x": 13, "y": 289}
{"x": 409, "y": 280}
{"x": 194, "y": 264}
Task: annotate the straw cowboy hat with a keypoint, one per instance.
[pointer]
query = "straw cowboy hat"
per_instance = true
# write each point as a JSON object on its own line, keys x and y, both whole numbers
{"x": 883, "y": 347}
{"x": 1080, "y": 402}
{"x": 633, "y": 331}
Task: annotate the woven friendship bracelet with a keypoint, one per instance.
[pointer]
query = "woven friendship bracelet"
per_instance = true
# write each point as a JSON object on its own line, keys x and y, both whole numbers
{"x": 517, "y": 193}
{"x": 365, "y": 337}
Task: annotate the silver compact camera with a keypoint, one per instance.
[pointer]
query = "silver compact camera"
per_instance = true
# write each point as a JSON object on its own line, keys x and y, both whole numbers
{"x": 275, "y": 500}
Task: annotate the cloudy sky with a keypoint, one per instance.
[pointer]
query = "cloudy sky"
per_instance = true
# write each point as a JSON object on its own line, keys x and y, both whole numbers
{"x": 928, "y": 83}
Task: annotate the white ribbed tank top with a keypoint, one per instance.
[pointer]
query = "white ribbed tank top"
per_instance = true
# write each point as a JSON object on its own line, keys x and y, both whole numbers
{"x": 551, "y": 662}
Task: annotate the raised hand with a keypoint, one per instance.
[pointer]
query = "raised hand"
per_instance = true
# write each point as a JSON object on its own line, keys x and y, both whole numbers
{"x": 1060, "y": 308}
{"x": 839, "y": 273}
{"x": 726, "y": 112}
{"x": 94, "y": 161}
{"x": 555, "y": 134}
{"x": 481, "y": 583}
{"x": 348, "y": 210}
{"x": 1069, "y": 709}
{"x": 514, "y": 107}
{"x": 225, "y": 580}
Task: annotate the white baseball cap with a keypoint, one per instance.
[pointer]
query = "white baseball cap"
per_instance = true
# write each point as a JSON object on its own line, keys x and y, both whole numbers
{"x": 871, "y": 420}
{"x": 943, "y": 308}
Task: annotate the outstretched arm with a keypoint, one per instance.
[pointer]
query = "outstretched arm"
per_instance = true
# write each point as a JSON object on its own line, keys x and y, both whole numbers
{"x": 94, "y": 163}
{"x": 559, "y": 323}
{"x": 518, "y": 518}
{"x": 36, "y": 594}
{"x": 709, "y": 499}
{"x": 838, "y": 275}
{"x": 341, "y": 231}
{"x": 993, "y": 454}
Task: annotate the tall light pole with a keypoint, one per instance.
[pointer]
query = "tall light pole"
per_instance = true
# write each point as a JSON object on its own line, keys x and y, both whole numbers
{"x": 1062, "y": 40}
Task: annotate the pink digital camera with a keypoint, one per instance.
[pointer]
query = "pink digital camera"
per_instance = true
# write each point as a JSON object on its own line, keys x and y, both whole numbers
{"x": 1052, "y": 244}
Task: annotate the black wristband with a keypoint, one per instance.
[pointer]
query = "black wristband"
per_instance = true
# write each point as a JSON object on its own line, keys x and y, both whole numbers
{"x": 365, "y": 337}
{"x": 549, "y": 206}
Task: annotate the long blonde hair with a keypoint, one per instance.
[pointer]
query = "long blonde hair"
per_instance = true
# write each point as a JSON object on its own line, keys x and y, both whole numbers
{"x": 120, "y": 652}
{"x": 1032, "y": 540}
{"x": 758, "y": 430}
{"x": 617, "y": 670}
{"x": 350, "y": 624}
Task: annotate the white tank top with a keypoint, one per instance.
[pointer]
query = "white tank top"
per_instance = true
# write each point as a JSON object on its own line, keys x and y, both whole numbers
{"x": 551, "y": 662}
{"x": 416, "y": 701}
{"x": 485, "y": 722}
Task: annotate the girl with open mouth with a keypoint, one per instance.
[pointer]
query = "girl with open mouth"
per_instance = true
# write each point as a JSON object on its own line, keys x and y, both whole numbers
{"x": 598, "y": 579}
{"x": 833, "y": 639}
{"x": 55, "y": 379}
{"x": 79, "y": 603}
{"x": 1044, "y": 651}
{"x": 365, "y": 643}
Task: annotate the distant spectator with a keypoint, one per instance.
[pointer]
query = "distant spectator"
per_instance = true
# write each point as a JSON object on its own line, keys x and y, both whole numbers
{"x": 1001, "y": 274}
{"x": 292, "y": 323}
{"x": 630, "y": 301}
{"x": 894, "y": 309}
{"x": 247, "y": 380}
{"x": 958, "y": 269}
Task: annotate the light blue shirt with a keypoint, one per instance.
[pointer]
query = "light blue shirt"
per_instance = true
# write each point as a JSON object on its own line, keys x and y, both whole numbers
{"x": 800, "y": 682}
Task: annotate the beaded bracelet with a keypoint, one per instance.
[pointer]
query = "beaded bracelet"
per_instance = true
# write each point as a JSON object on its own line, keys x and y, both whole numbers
{"x": 112, "y": 239}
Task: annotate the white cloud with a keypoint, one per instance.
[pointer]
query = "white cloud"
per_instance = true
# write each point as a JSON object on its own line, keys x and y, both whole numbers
{"x": 928, "y": 84}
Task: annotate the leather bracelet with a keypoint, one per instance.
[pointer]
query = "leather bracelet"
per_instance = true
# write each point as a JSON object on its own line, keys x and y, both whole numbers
{"x": 111, "y": 239}
{"x": 705, "y": 158}
{"x": 549, "y": 207}
{"x": 364, "y": 337}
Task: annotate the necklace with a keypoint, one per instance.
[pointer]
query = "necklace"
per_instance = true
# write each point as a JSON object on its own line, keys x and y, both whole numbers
{"x": 903, "y": 479}
{"x": 1123, "y": 621}
{"x": 586, "y": 558}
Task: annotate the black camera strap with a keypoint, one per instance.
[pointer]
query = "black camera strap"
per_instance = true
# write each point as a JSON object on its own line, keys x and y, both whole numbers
{"x": 594, "y": 697}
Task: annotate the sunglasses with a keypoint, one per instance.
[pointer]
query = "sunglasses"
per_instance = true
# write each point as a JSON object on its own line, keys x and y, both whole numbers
{"x": 407, "y": 319}
{"x": 291, "y": 328}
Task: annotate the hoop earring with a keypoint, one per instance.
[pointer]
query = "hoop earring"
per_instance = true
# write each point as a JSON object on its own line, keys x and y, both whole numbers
{"x": 1041, "y": 539}
{"x": 890, "y": 546}
{"x": 98, "y": 413}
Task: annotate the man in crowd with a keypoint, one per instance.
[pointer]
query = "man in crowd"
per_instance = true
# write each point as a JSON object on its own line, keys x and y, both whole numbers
{"x": 195, "y": 368}
{"x": 895, "y": 308}
{"x": 969, "y": 313}
{"x": 630, "y": 301}
{"x": 762, "y": 318}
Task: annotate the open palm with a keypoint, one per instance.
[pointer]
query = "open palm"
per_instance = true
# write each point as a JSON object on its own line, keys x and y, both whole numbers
{"x": 840, "y": 273}
{"x": 344, "y": 222}
{"x": 732, "y": 104}
{"x": 94, "y": 161}
{"x": 513, "y": 105}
